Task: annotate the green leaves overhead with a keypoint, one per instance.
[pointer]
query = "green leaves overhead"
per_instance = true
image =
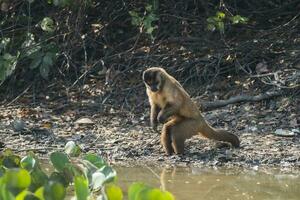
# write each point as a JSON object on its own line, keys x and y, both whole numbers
{"x": 43, "y": 62}
{"x": 218, "y": 21}
{"x": 145, "y": 21}
{"x": 8, "y": 64}
{"x": 40, "y": 55}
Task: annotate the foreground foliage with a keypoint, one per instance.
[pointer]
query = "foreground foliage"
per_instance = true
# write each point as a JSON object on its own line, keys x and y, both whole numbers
{"x": 83, "y": 177}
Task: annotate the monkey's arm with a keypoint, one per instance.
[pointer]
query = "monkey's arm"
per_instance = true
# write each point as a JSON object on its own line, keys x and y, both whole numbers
{"x": 168, "y": 111}
{"x": 153, "y": 115}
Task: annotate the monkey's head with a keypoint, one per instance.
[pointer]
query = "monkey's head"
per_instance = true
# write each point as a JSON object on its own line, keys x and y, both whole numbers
{"x": 154, "y": 78}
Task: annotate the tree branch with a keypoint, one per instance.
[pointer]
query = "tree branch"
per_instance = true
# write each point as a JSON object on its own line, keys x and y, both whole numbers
{"x": 206, "y": 106}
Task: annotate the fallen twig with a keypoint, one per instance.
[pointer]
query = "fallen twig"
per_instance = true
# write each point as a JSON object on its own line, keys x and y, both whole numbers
{"x": 205, "y": 106}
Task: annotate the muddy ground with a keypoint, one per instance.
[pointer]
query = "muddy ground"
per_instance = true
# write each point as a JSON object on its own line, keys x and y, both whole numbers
{"x": 123, "y": 137}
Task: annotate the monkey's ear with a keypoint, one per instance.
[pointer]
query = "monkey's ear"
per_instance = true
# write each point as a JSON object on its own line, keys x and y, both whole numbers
{"x": 146, "y": 76}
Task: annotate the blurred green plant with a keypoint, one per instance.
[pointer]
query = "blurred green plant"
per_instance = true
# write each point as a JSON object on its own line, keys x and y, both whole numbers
{"x": 218, "y": 21}
{"x": 39, "y": 54}
{"x": 89, "y": 176}
{"x": 144, "y": 21}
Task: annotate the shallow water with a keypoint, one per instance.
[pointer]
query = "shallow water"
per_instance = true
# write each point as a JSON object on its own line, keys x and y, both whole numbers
{"x": 206, "y": 184}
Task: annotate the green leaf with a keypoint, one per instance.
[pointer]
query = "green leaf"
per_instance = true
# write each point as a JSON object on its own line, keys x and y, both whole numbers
{"x": 38, "y": 178}
{"x": 104, "y": 175}
{"x": 54, "y": 191}
{"x": 48, "y": 59}
{"x": 134, "y": 190}
{"x": 238, "y": 19}
{"x": 44, "y": 71}
{"x": 220, "y": 26}
{"x": 59, "y": 160}
{"x": 5, "y": 194}
{"x": 72, "y": 149}
{"x": 95, "y": 160}
{"x": 211, "y": 27}
{"x": 47, "y": 24}
{"x": 113, "y": 192}
{"x": 220, "y": 15}
{"x": 26, "y": 195}
{"x": 235, "y": 20}
{"x": 244, "y": 20}
{"x": 29, "y": 46}
{"x": 9, "y": 160}
{"x": 98, "y": 178}
{"x": 9, "y": 62}
{"x": 17, "y": 178}
{"x": 40, "y": 193}
{"x": 109, "y": 172}
{"x": 133, "y": 14}
{"x": 3, "y": 44}
{"x": 210, "y": 20}
{"x": 157, "y": 194}
{"x": 138, "y": 191}
{"x": 148, "y": 8}
{"x": 28, "y": 163}
{"x": 59, "y": 177}
{"x": 149, "y": 30}
{"x": 35, "y": 63}
{"x": 81, "y": 188}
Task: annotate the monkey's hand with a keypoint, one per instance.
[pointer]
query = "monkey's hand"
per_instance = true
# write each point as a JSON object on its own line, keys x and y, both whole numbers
{"x": 167, "y": 112}
{"x": 161, "y": 118}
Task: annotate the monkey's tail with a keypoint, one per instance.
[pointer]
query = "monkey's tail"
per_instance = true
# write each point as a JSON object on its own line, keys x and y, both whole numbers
{"x": 217, "y": 134}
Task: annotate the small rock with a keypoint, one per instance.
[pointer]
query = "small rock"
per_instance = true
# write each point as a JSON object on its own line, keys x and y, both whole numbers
{"x": 84, "y": 121}
{"x": 2, "y": 145}
{"x": 286, "y": 133}
{"x": 18, "y": 125}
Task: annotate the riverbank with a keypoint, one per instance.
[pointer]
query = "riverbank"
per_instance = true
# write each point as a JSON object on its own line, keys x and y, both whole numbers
{"x": 123, "y": 137}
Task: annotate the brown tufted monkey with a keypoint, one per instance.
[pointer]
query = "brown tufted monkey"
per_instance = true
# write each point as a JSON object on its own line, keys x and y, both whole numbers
{"x": 172, "y": 106}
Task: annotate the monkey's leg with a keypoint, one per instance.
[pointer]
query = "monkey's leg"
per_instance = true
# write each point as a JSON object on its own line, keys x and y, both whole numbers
{"x": 153, "y": 116}
{"x": 182, "y": 131}
{"x": 165, "y": 137}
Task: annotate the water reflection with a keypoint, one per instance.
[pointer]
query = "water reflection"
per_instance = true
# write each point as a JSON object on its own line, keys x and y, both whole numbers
{"x": 198, "y": 184}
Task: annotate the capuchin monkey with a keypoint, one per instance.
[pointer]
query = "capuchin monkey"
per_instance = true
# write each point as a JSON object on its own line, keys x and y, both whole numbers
{"x": 172, "y": 106}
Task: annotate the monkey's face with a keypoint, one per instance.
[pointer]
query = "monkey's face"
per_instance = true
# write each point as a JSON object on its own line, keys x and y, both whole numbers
{"x": 153, "y": 79}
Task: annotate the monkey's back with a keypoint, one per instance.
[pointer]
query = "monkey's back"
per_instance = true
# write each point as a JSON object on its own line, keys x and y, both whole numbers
{"x": 188, "y": 108}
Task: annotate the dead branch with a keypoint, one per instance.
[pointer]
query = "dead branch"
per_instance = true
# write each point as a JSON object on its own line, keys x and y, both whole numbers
{"x": 206, "y": 106}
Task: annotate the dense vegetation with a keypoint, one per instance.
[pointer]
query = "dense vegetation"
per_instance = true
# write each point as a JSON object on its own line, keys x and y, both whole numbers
{"x": 43, "y": 41}
{"x": 87, "y": 176}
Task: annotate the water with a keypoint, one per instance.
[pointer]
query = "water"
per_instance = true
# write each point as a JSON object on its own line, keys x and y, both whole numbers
{"x": 206, "y": 184}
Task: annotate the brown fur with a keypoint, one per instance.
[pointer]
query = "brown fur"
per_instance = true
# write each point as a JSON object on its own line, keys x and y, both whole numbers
{"x": 171, "y": 105}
